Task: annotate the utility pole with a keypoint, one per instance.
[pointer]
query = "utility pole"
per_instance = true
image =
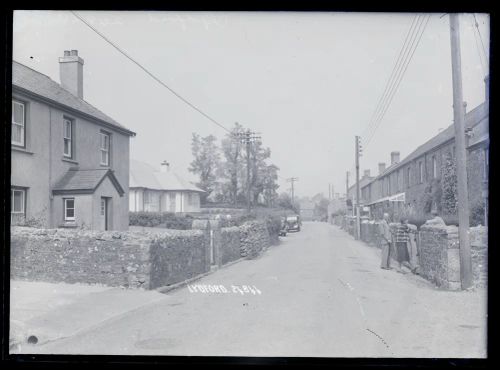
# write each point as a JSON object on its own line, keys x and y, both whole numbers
{"x": 292, "y": 180}
{"x": 248, "y": 137}
{"x": 358, "y": 221}
{"x": 461, "y": 155}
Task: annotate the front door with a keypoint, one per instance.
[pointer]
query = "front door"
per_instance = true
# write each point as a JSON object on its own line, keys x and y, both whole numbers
{"x": 104, "y": 214}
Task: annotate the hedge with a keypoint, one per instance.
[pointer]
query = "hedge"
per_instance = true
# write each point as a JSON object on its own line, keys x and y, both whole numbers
{"x": 163, "y": 219}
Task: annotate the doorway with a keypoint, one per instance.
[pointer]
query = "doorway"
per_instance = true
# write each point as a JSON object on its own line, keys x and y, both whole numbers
{"x": 104, "y": 214}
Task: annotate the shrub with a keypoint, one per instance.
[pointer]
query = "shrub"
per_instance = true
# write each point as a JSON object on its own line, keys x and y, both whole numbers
{"x": 157, "y": 219}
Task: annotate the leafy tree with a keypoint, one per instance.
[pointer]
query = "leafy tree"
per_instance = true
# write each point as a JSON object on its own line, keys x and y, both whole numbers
{"x": 449, "y": 186}
{"x": 321, "y": 208}
{"x": 205, "y": 163}
{"x": 232, "y": 166}
{"x": 285, "y": 201}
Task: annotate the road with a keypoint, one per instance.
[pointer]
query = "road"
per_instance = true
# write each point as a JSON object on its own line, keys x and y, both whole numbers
{"x": 321, "y": 294}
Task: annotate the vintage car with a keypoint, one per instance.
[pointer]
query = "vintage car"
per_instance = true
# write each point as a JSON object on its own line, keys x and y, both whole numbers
{"x": 294, "y": 223}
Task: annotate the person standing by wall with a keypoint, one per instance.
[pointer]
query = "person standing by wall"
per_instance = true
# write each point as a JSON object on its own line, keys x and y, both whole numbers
{"x": 402, "y": 239}
{"x": 386, "y": 241}
{"x": 413, "y": 251}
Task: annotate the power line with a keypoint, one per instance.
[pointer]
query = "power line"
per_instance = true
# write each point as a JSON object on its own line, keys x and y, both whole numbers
{"x": 478, "y": 48}
{"x": 399, "y": 81}
{"x": 407, "y": 52}
{"x": 389, "y": 81}
{"x": 150, "y": 73}
{"x": 480, "y": 37}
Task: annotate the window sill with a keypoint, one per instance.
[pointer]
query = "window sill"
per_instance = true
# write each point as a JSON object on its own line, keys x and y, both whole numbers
{"x": 21, "y": 149}
{"x": 69, "y": 225}
{"x": 65, "y": 159}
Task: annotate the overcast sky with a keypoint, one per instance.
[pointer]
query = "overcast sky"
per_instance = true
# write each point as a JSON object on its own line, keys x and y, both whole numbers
{"x": 308, "y": 82}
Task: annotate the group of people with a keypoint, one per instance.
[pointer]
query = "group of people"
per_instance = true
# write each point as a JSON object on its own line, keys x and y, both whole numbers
{"x": 405, "y": 245}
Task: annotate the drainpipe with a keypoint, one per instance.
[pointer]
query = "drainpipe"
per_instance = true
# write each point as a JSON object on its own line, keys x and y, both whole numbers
{"x": 51, "y": 197}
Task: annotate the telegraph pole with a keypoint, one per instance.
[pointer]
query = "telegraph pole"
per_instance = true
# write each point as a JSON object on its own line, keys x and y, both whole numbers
{"x": 248, "y": 137}
{"x": 461, "y": 155}
{"x": 357, "y": 187}
{"x": 292, "y": 180}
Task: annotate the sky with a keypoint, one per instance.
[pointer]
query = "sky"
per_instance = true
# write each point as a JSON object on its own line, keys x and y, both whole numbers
{"x": 307, "y": 82}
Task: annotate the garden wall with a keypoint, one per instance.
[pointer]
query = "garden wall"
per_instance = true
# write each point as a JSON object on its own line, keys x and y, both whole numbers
{"x": 230, "y": 244}
{"x": 254, "y": 237}
{"x": 130, "y": 258}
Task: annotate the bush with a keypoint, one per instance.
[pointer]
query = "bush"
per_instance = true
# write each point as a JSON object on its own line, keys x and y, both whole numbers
{"x": 164, "y": 219}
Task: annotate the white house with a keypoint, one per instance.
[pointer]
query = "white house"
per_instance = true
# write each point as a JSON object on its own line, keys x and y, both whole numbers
{"x": 161, "y": 190}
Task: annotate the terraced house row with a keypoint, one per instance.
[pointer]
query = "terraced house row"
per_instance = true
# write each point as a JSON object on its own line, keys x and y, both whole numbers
{"x": 408, "y": 182}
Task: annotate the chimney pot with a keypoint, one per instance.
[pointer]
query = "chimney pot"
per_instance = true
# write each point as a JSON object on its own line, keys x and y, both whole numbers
{"x": 165, "y": 166}
{"x": 381, "y": 168}
{"x": 394, "y": 157}
{"x": 67, "y": 53}
{"x": 367, "y": 173}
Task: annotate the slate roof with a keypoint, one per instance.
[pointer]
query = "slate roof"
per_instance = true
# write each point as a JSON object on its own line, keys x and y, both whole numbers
{"x": 142, "y": 175}
{"x": 37, "y": 83}
{"x": 78, "y": 181}
{"x": 472, "y": 119}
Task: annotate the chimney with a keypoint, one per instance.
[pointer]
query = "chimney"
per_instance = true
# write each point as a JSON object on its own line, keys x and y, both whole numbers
{"x": 366, "y": 173}
{"x": 381, "y": 168}
{"x": 71, "y": 72}
{"x": 487, "y": 88}
{"x": 165, "y": 166}
{"x": 394, "y": 157}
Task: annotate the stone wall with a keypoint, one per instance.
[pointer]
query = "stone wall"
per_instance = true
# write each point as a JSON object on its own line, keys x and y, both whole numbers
{"x": 479, "y": 255}
{"x": 147, "y": 259}
{"x": 230, "y": 244}
{"x": 78, "y": 256}
{"x": 439, "y": 255}
{"x": 177, "y": 256}
{"x": 129, "y": 259}
{"x": 254, "y": 237}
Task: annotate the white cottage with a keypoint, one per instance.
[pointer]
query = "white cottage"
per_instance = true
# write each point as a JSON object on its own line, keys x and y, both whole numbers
{"x": 161, "y": 190}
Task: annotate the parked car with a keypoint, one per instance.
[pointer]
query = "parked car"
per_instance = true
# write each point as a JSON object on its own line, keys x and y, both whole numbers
{"x": 284, "y": 227}
{"x": 294, "y": 223}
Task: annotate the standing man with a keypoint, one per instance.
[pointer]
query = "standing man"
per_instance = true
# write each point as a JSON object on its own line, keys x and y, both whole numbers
{"x": 385, "y": 235}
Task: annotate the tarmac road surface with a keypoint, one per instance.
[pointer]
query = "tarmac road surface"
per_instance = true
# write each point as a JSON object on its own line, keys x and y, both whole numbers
{"x": 318, "y": 293}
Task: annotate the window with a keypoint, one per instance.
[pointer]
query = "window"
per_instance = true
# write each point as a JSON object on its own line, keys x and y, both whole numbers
{"x": 103, "y": 207}
{"x": 68, "y": 138}
{"x": 434, "y": 167}
{"x": 147, "y": 197}
{"x": 421, "y": 172}
{"x": 105, "y": 139}
{"x": 69, "y": 209}
{"x": 18, "y": 197}
{"x": 18, "y": 123}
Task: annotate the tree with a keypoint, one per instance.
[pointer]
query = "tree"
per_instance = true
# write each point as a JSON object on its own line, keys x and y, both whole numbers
{"x": 285, "y": 201}
{"x": 449, "y": 183}
{"x": 231, "y": 168}
{"x": 321, "y": 208}
{"x": 205, "y": 163}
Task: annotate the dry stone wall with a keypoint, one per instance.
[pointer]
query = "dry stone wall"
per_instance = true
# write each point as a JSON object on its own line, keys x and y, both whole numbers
{"x": 230, "y": 244}
{"x": 254, "y": 237}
